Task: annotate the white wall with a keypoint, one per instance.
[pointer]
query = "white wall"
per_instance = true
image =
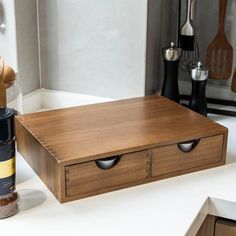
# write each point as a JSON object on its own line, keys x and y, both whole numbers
{"x": 8, "y": 34}
{"x": 93, "y": 47}
{"x": 19, "y": 41}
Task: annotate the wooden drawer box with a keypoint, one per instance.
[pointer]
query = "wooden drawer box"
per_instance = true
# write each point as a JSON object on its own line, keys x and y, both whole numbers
{"x": 88, "y": 150}
{"x": 90, "y": 177}
{"x": 170, "y": 159}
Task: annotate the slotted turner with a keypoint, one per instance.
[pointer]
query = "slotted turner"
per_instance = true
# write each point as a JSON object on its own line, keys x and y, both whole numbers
{"x": 219, "y": 56}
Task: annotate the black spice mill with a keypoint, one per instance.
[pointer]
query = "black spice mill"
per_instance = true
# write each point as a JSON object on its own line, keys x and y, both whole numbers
{"x": 170, "y": 87}
{"x": 198, "y": 101}
{"x": 8, "y": 196}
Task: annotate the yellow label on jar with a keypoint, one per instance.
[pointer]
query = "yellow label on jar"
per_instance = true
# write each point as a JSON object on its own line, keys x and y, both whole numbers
{"x": 7, "y": 168}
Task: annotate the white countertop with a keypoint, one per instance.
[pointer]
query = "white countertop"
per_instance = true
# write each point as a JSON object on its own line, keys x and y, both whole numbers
{"x": 167, "y": 207}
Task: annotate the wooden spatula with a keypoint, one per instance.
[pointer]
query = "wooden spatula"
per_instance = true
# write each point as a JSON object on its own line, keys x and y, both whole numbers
{"x": 233, "y": 85}
{"x": 219, "y": 56}
{"x": 3, "y": 96}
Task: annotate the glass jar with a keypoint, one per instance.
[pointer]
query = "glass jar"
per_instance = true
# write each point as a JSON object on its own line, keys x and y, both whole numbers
{"x": 8, "y": 196}
{"x": 14, "y": 97}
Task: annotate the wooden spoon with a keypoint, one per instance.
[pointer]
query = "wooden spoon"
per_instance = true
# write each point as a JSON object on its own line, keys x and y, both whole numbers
{"x": 233, "y": 85}
{"x": 9, "y": 76}
{"x": 3, "y": 94}
{"x": 219, "y": 56}
{"x": 7, "y": 79}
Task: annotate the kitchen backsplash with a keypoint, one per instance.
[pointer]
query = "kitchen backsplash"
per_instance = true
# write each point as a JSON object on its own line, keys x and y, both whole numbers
{"x": 206, "y": 24}
{"x": 107, "y": 48}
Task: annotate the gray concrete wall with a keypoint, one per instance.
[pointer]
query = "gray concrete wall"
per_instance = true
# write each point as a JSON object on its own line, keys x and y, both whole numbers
{"x": 93, "y": 47}
{"x": 27, "y": 44}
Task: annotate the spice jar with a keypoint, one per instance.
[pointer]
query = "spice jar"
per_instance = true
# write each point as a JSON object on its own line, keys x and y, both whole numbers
{"x": 8, "y": 196}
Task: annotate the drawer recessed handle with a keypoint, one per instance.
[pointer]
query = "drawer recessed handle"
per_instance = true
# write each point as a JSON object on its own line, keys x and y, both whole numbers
{"x": 188, "y": 146}
{"x": 107, "y": 163}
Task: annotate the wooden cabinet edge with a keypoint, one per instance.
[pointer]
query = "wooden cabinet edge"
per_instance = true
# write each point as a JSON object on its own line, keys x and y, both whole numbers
{"x": 207, "y": 227}
{"x": 214, "y": 225}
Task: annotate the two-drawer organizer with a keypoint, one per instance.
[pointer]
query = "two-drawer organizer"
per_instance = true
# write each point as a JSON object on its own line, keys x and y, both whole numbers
{"x": 88, "y": 150}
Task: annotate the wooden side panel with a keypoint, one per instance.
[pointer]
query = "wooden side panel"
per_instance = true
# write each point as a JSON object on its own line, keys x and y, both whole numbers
{"x": 207, "y": 227}
{"x": 170, "y": 159}
{"x": 225, "y": 228}
{"x": 41, "y": 161}
{"x": 89, "y": 178}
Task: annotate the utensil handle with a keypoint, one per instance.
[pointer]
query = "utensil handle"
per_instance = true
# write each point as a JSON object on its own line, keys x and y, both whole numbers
{"x": 193, "y": 9}
{"x": 233, "y": 85}
{"x": 189, "y": 6}
{"x": 222, "y": 12}
{"x": 3, "y": 93}
{"x": 179, "y": 22}
{"x": 3, "y": 97}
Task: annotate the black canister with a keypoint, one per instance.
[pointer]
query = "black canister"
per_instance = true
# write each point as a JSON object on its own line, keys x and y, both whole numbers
{"x": 170, "y": 88}
{"x": 198, "y": 103}
{"x": 8, "y": 196}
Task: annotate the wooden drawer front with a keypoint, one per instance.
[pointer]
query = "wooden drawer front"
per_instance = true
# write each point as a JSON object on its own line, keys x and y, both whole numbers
{"x": 170, "y": 159}
{"x": 225, "y": 228}
{"x": 88, "y": 177}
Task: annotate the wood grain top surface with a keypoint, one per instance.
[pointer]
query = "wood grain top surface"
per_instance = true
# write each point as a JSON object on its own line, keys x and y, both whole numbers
{"x": 83, "y": 133}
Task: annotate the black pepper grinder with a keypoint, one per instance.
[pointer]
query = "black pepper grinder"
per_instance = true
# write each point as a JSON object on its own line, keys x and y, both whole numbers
{"x": 8, "y": 196}
{"x": 171, "y": 57}
{"x": 198, "y": 101}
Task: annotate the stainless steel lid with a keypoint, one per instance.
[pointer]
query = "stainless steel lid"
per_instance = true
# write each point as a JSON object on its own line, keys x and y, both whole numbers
{"x": 172, "y": 53}
{"x": 199, "y": 73}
